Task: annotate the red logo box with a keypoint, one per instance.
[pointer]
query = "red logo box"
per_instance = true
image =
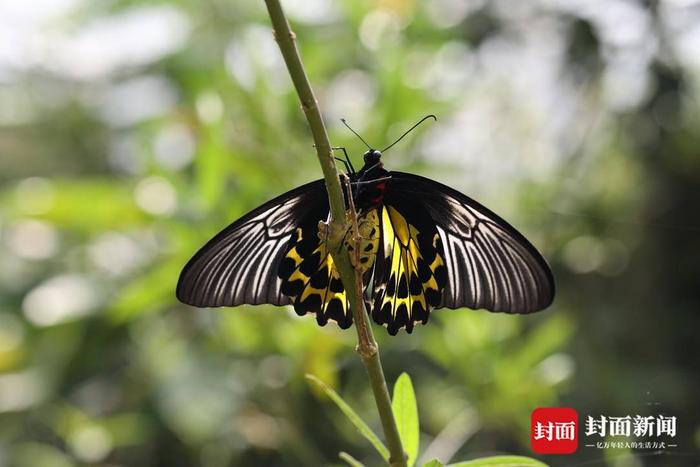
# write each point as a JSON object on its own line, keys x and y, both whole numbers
{"x": 554, "y": 430}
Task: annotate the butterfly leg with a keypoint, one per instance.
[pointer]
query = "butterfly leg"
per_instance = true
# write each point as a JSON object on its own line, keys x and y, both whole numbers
{"x": 374, "y": 181}
{"x": 323, "y": 231}
{"x": 347, "y": 168}
{"x": 347, "y": 162}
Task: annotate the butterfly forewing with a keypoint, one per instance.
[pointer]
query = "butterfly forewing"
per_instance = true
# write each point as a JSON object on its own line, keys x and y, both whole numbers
{"x": 240, "y": 264}
{"x": 489, "y": 264}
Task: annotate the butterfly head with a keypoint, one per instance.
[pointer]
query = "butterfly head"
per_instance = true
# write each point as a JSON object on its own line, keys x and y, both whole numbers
{"x": 372, "y": 157}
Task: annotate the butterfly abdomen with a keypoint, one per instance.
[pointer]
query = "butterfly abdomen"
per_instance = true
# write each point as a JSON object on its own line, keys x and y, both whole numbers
{"x": 368, "y": 227}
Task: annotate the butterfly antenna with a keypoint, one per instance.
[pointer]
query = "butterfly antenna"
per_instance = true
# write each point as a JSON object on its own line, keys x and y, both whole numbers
{"x": 410, "y": 130}
{"x": 361, "y": 138}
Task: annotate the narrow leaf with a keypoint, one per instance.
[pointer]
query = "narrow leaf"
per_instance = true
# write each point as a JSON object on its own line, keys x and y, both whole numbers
{"x": 355, "y": 419}
{"x": 405, "y": 411}
{"x": 351, "y": 461}
{"x": 501, "y": 461}
{"x": 433, "y": 463}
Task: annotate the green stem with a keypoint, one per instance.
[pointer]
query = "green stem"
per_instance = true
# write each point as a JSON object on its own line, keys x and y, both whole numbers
{"x": 367, "y": 346}
{"x": 286, "y": 39}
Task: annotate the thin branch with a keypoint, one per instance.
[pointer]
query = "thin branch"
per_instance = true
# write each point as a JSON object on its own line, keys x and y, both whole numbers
{"x": 351, "y": 278}
{"x": 367, "y": 347}
{"x": 286, "y": 39}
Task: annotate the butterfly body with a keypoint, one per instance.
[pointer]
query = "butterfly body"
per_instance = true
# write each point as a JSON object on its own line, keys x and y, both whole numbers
{"x": 368, "y": 226}
{"x": 423, "y": 246}
{"x": 370, "y": 182}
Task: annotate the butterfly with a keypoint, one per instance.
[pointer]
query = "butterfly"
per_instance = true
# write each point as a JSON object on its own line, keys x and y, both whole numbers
{"x": 423, "y": 246}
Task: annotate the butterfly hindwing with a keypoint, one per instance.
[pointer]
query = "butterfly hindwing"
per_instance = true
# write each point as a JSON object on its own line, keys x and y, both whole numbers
{"x": 490, "y": 265}
{"x": 310, "y": 279}
{"x": 410, "y": 272}
{"x": 240, "y": 264}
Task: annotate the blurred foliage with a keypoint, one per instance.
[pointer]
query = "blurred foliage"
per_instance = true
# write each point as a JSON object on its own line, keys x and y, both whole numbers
{"x": 131, "y": 131}
{"x": 405, "y": 410}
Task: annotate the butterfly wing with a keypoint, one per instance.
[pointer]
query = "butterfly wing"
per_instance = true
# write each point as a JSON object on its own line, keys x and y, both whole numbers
{"x": 310, "y": 278}
{"x": 438, "y": 248}
{"x": 240, "y": 264}
{"x": 489, "y": 264}
{"x": 409, "y": 272}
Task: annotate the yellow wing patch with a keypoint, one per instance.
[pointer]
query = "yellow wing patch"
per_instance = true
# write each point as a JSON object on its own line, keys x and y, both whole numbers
{"x": 309, "y": 275}
{"x": 411, "y": 273}
{"x": 406, "y": 260}
{"x": 310, "y": 278}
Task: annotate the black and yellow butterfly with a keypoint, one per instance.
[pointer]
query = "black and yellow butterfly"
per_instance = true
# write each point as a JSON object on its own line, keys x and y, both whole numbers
{"x": 424, "y": 246}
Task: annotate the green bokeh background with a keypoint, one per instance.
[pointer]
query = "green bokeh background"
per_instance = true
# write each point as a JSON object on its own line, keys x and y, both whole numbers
{"x": 131, "y": 131}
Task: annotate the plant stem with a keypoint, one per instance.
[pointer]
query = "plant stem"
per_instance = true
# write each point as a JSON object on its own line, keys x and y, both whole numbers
{"x": 368, "y": 348}
{"x": 338, "y": 226}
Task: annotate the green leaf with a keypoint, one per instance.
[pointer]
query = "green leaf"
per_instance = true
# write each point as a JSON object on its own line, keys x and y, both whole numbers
{"x": 405, "y": 411}
{"x": 433, "y": 463}
{"x": 351, "y": 461}
{"x": 501, "y": 461}
{"x": 355, "y": 419}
